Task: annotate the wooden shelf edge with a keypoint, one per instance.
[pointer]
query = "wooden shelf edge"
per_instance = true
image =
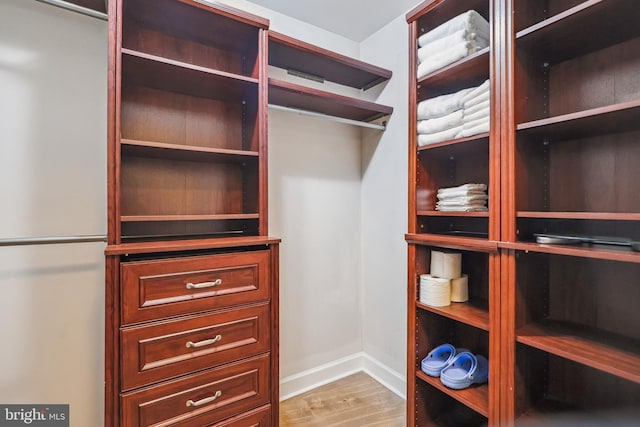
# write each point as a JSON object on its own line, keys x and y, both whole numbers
{"x": 594, "y": 251}
{"x": 613, "y": 216}
{"x": 454, "y": 214}
{"x": 179, "y": 64}
{"x": 154, "y": 218}
{"x": 453, "y": 242}
{"x": 579, "y": 347}
{"x": 472, "y": 138}
{"x": 461, "y": 312}
{"x": 378, "y": 74}
{"x": 186, "y": 148}
{"x": 231, "y": 12}
{"x": 190, "y": 244}
{"x": 376, "y": 110}
{"x": 562, "y": 16}
{"x": 475, "y": 397}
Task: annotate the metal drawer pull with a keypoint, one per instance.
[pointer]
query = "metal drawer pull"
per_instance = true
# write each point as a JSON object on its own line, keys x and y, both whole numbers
{"x": 204, "y": 284}
{"x": 191, "y": 344}
{"x": 205, "y": 400}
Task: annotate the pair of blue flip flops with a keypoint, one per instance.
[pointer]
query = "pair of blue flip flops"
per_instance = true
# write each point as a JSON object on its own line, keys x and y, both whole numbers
{"x": 457, "y": 368}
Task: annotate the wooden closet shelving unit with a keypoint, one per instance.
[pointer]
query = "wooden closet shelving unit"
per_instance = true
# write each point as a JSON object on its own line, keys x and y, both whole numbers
{"x": 192, "y": 276}
{"x": 561, "y": 158}
{"x": 304, "y": 59}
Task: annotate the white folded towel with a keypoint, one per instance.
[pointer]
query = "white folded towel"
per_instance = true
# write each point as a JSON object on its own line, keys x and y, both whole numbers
{"x": 439, "y": 124}
{"x": 478, "y": 99}
{"x": 477, "y": 115}
{"x": 484, "y": 105}
{"x": 464, "y": 187}
{"x": 478, "y": 90}
{"x": 471, "y": 21}
{"x": 442, "y": 105}
{"x": 469, "y": 208}
{"x": 435, "y": 47}
{"x": 475, "y": 127}
{"x": 434, "y": 138}
{"x": 447, "y": 57}
{"x": 449, "y": 195}
{"x": 463, "y": 201}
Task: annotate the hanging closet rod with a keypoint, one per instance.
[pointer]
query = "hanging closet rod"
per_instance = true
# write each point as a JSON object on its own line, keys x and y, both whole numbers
{"x": 328, "y": 117}
{"x": 75, "y": 8}
{"x": 23, "y": 241}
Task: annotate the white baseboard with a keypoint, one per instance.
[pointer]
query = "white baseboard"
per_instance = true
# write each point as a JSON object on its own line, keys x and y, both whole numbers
{"x": 296, "y": 384}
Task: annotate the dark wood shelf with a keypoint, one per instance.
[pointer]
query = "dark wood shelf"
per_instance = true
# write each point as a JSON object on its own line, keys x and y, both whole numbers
{"x": 610, "y": 119}
{"x": 292, "y": 54}
{"x": 461, "y": 312}
{"x": 479, "y": 137}
{"x": 608, "y": 252}
{"x": 292, "y": 95}
{"x": 188, "y": 245}
{"x": 214, "y": 217}
{"x": 601, "y": 23}
{"x": 597, "y": 350}
{"x": 454, "y": 214}
{"x": 142, "y": 69}
{"x": 467, "y": 72}
{"x": 181, "y": 152}
{"x": 475, "y": 397}
{"x": 612, "y": 216}
{"x": 433, "y": 13}
{"x": 453, "y": 242}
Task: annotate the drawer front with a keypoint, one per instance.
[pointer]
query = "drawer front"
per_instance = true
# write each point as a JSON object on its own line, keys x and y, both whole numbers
{"x": 164, "y": 350}
{"x": 201, "y": 399}
{"x": 260, "y": 417}
{"x": 171, "y": 287}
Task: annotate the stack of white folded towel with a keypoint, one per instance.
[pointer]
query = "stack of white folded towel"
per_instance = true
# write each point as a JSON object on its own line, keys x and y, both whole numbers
{"x": 464, "y": 198}
{"x": 457, "y": 115}
{"x": 455, "y": 39}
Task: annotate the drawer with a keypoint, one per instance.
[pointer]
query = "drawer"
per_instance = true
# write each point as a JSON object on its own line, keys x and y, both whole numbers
{"x": 201, "y": 399}
{"x": 260, "y": 417}
{"x": 170, "y": 287}
{"x": 155, "y": 352}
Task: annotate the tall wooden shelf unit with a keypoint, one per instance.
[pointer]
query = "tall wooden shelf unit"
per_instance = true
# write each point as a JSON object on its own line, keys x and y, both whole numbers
{"x": 192, "y": 277}
{"x": 558, "y": 322}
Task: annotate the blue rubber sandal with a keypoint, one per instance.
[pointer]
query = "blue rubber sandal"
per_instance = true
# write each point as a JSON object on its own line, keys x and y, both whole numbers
{"x": 438, "y": 359}
{"x": 465, "y": 369}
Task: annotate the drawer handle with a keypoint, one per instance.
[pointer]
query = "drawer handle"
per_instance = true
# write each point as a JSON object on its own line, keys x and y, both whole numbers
{"x": 204, "y": 284}
{"x": 205, "y": 400}
{"x": 191, "y": 344}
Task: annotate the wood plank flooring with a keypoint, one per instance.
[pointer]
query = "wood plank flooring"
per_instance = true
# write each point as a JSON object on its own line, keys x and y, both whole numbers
{"x": 357, "y": 400}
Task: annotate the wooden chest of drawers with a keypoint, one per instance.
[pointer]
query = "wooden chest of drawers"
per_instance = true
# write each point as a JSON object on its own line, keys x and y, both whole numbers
{"x": 196, "y": 337}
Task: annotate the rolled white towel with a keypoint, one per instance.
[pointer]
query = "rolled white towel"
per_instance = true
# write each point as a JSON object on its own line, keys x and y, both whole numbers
{"x": 442, "y": 105}
{"x": 446, "y": 57}
{"x": 434, "y": 138}
{"x": 435, "y": 47}
{"x": 475, "y": 127}
{"x": 441, "y": 123}
{"x": 471, "y": 21}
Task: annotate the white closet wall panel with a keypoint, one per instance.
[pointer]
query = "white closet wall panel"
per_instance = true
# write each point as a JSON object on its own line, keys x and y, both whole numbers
{"x": 52, "y": 183}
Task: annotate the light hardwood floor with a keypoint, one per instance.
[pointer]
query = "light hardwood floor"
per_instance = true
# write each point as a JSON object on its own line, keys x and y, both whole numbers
{"x": 357, "y": 400}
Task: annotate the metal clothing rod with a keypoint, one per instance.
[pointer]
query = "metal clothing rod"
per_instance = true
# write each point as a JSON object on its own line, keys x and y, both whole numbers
{"x": 23, "y": 241}
{"x": 75, "y": 8}
{"x": 328, "y": 117}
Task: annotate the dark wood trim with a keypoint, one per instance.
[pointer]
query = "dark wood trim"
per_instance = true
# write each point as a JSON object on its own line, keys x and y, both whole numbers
{"x": 290, "y": 53}
{"x": 455, "y": 214}
{"x": 612, "y": 253}
{"x": 412, "y": 126}
{"x": 464, "y": 313}
{"x": 453, "y": 242}
{"x": 263, "y": 117}
{"x": 229, "y": 12}
{"x": 275, "y": 333}
{"x": 412, "y": 299}
{"x": 188, "y": 245}
{"x": 421, "y": 10}
{"x": 112, "y": 342}
{"x": 613, "y": 216}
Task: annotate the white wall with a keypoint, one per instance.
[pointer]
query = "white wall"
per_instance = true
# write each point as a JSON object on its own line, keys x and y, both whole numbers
{"x": 52, "y": 182}
{"x": 384, "y": 212}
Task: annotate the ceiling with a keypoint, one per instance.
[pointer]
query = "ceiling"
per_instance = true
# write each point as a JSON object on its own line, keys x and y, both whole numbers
{"x": 353, "y": 19}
